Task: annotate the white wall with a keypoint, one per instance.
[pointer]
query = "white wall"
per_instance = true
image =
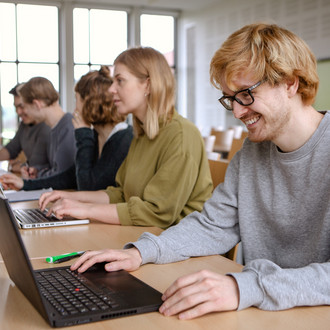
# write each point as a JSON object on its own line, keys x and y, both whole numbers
{"x": 308, "y": 19}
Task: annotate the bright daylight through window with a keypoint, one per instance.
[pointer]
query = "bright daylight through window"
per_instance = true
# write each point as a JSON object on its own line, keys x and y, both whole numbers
{"x": 28, "y": 47}
{"x": 31, "y": 45}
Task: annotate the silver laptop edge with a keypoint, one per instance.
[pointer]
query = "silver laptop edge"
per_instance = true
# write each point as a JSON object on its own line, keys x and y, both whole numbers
{"x": 51, "y": 224}
{"x": 60, "y": 222}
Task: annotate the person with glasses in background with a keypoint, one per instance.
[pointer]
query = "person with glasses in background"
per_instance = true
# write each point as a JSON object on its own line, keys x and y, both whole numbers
{"x": 32, "y": 138}
{"x": 102, "y": 139}
{"x": 166, "y": 174}
{"x": 275, "y": 197}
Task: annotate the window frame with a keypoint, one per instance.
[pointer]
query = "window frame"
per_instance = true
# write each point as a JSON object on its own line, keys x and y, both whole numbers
{"x": 17, "y": 62}
{"x": 65, "y": 37}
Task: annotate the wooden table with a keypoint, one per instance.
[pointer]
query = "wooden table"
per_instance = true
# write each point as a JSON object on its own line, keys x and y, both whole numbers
{"x": 17, "y": 313}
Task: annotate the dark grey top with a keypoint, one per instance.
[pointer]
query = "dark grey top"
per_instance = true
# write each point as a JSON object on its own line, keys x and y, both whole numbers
{"x": 61, "y": 148}
{"x": 90, "y": 172}
{"x": 33, "y": 141}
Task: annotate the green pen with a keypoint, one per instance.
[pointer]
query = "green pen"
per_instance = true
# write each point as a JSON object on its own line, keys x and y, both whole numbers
{"x": 64, "y": 257}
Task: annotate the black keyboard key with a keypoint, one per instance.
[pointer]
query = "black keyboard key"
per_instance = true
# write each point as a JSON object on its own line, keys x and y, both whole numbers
{"x": 67, "y": 292}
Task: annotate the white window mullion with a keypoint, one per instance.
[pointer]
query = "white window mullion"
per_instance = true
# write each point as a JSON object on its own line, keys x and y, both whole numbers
{"x": 134, "y": 35}
{"x": 66, "y": 56}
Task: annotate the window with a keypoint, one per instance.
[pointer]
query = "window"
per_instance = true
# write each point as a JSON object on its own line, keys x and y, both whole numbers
{"x": 98, "y": 37}
{"x": 28, "y": 47}
{"x": 63, "y": 40}
{"x": 157, "y": 31}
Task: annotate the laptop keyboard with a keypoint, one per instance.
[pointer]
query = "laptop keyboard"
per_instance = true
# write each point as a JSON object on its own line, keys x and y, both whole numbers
{"x": 68, "y": 294}
{"x": 33, "y": 216}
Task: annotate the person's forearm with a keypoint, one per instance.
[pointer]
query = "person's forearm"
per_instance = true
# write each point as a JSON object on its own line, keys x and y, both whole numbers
{"x": 104, "y": 212}
{"x": 99, "y": 197}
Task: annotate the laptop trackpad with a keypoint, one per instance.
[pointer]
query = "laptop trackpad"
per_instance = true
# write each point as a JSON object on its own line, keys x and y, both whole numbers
{"x": 121, "y": 284}
{"x": 119, "y": 281}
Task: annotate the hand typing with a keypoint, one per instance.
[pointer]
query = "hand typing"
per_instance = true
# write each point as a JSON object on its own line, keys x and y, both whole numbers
{"x": 68, "y": 207}
{"x": 53, "y": 196}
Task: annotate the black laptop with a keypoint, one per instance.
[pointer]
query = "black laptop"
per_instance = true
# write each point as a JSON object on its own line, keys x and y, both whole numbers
{"x": 67, "y": 298}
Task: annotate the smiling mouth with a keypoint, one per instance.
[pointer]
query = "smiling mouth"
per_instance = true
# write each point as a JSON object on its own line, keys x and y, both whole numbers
{"x": 251, "y": 121}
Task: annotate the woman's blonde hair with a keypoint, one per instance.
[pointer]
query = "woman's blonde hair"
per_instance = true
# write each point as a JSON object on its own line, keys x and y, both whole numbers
{"x": 267, "y": 52}
{"x": 98, "y": 107}
{"x": 146, "y": 63}
{"x": 38, "y": 88}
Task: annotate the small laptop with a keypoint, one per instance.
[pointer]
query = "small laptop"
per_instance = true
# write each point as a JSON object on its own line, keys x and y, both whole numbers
{"x": 35, "y": 218}
{"x": 66, "y": 298}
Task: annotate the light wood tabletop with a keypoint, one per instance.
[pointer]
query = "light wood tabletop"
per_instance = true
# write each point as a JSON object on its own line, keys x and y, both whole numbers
{"x": 17, "y": 313}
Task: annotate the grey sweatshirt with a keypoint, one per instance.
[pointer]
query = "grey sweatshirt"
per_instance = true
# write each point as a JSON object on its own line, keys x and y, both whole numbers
{"x": 277, "y": 205}
{"x": 61, "y": 149}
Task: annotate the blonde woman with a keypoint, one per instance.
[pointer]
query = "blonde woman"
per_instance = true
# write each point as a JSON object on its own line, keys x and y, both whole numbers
{"x": 165, "y": 175}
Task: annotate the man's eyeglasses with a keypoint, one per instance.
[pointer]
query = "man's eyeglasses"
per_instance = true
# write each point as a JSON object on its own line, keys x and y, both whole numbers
{"x": 243, "y": 97}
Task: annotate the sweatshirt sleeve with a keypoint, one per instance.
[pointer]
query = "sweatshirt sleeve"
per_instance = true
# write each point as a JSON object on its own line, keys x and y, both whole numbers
{"x": 213, "y": 231}
{"x": 164, "y": 196}
{"x": 62, "y": 180}
{"x": 265, "y": 285}
{"x": 189, "y": 238}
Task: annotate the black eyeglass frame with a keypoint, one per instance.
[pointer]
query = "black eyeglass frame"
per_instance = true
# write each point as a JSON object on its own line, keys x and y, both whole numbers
{"x": 233, "y": 98}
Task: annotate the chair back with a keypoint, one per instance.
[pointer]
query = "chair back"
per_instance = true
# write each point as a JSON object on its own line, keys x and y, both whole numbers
{"x": 214, "y": 155}
{"x": 218, "y": 170}
{"x": 209, "y": 142}
{"x": 223, "y": 140}
{"x": 238, "y": 129}
{"x": 244, "y": 135}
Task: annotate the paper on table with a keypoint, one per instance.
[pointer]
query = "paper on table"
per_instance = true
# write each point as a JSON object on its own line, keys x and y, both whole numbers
{"x": 23, "y": 195}
{"x": 2, "y": 171}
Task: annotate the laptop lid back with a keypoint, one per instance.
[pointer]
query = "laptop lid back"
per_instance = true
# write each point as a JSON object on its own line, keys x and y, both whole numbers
{"x": 16, "y": 259}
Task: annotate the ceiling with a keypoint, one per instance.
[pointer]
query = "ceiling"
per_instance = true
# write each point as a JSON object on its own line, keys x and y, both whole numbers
{"x": 184, "y": 5}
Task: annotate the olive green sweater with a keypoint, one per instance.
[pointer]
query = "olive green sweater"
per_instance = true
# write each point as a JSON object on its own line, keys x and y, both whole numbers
{"x": 164, "y": 179}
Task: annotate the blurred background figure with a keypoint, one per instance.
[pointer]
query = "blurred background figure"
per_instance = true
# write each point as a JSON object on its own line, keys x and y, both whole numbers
{"x": 41, "y": 103}
{"x": 30, "y": 141}
{"x": 102, "y": 137}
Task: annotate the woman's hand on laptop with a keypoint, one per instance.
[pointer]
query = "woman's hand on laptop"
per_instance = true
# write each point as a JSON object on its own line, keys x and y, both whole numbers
{"x": 51, "y": 197}
{"x": 82, "y": 196}
{"x": 68, "y": 207}
{"x": 129, "y": 259}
